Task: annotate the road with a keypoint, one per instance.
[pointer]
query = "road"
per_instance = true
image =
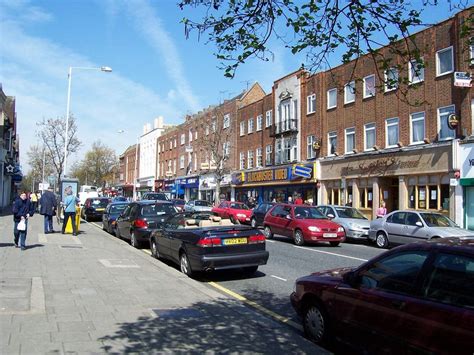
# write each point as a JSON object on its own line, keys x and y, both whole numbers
{"x": 270, "y": 287}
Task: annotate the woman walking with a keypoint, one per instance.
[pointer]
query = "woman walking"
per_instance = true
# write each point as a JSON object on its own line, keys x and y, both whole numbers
{"x": 69, "y": 203}
{"x": 22, "y": 210}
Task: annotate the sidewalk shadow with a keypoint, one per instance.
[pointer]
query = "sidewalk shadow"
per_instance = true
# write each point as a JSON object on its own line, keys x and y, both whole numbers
{"x": 32, "y": 246}
{"x": 2, "y": 245}
{"x": 219, "y": 326}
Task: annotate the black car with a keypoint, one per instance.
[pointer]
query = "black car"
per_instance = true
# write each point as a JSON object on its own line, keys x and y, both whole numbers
{"x": 137, "y": 221}
{"x": 94, "y": 207}
{"x": 203, "y": 242}
{"x": 159, "y": 196}
{"x": 259, "y": 212}
{"x": 110, "y": 215}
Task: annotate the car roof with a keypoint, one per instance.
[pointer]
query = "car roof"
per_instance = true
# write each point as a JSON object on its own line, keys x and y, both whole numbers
{"x": 152, "y": 202}
{"x": 119, "y": 203}
{"x": 443, "y": 244}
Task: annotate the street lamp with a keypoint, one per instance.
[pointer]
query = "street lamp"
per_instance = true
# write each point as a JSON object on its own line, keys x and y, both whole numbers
{"x": 135, "y": 168}
{"x": 104, "y": 69}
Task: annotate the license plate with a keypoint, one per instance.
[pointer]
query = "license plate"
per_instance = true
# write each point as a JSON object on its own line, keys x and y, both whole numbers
{"x": 233, "y": 241}
{"x": 329, "y": 235}
{"x": 100, "y": 209}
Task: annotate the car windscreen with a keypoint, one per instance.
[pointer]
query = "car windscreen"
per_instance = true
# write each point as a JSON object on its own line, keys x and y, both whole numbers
{"x": 202, "y": 203}
{"x": 304, "y": 212}
{"x": 158, "y": 209}
{"x": 347, "y": 212}
{"x": 239, "y": 206}
{"x": 179, "y": 202}
{"x": 437, "y": 220}
{"x": 100, "y": 203}
{"x": 117, "y": 208}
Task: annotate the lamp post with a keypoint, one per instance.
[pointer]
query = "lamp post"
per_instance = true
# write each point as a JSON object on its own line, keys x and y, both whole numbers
{"x": 135, "y": 167}
{"x": 104, "y": 69}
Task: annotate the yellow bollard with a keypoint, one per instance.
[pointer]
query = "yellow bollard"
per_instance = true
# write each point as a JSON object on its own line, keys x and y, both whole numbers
{"x": 78, "y": 222}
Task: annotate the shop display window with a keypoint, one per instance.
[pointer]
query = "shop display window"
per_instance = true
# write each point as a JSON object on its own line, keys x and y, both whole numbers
{"x": 428, "y": 193}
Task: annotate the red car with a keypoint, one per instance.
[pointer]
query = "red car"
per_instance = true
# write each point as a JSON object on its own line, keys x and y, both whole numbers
{"x": 235, "y": 211}
{"x": 414, "y": 299}
{"x": 302, "y": 224}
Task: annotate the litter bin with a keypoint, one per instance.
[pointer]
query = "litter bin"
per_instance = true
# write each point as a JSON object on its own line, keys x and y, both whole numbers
{"x": 68, "y": 228}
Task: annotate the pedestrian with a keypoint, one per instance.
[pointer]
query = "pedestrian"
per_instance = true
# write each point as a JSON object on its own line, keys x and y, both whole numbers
{"x": 69, "y": 203}
{"x": 382, "y": 210}
{"x": 290, "y": 199}
{"x": 22, "y": 210}
{"x": 48, "y": 207}
{"x": 34, "y": 200}
{"x": 299, "y": 200}
{"x": 310, "y": 201}
{"x": 349, "y": 203}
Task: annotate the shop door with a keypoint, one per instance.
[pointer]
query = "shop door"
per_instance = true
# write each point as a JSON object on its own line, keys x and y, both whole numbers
{"x": 469, "y": 208}
{"x": 389, "y": 193}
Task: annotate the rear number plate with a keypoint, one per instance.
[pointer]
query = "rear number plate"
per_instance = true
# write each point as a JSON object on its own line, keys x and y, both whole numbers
{"x": 100, "y": 209}
{"x": 233, "y": 241}
{"x": 329, "y": 235}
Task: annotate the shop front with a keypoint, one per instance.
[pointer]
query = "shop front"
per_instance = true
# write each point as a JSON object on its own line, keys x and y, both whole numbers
{"x": 466, "y": 184}
{"x": 276, "y": 184}
{"x": 188, "y": 188}
{"x": 207, "y": 187}
{"x": 411, "y": 178}
{"x": 169, "y": 188}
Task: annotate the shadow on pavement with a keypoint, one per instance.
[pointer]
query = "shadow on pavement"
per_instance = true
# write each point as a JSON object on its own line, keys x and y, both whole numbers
{"x": 32, "y": 246}
{"x": 220, "y": 326}
{"x": 2, "y": 245}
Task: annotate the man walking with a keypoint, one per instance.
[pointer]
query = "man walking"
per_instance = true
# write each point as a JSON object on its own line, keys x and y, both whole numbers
{"x": 22, "y": 210}
{"x": 69, "y": 203}
{"x": 48, "y": 206}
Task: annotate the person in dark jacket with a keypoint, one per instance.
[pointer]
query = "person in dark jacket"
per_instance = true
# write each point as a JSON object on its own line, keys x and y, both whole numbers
{"x": 48, "y": 206}
{"x": 22, "y": 210}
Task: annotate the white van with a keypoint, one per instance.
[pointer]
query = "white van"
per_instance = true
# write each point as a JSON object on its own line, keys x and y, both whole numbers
{"x": 87, "y": 191}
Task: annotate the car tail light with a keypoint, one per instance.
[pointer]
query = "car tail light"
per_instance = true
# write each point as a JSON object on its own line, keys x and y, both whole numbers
{"x": 140, "y": 223}
{"x": 209, "y": 242}
{"x": 254, "y": 239}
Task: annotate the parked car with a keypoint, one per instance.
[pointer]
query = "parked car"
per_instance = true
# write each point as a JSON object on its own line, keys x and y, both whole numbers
{"x": 110, "y": 215}
{"x": 259, "y": 212}
{"x": 417, "y": 298}
{"x": 402, "y": 227}
{"x": 235, "y": 211}
{"x": 119, "y": 199}
{"x": 304, "y": 224}
{"x": 137, "y": 221}
{"x": 203, "y": 242}
{"x": 94, "y": 207}
{"x": 198, "y": 206}
{"x": 178, "y": 203}
{"x": 159, "y": 196}
{"x": 355, "y": 224}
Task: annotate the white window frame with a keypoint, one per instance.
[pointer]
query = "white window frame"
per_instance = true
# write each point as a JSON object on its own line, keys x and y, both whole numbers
{"x": 349, "y": 132}
{"x": 366, "y": 94}
{"x": 369, "y": 127}
{"x": 310, "y": 152}
{"x": 214, "y": 125}
{"x": 242, "y": 160}
{"x": 181, "y": 161}
{"x": 332, "y": 134}
{"x": 268, "y": 118}
{"x": 387, "y": 85}
{"x": 190, "y": 135}
{"x": 259, "y": 158}
{"x": 439, "y": 122}
{"x": 207, "y": 130}
{"x": 268, "y": 154}
{"x": 242, "y": 128}
{"x": 226, "y": 149}
{"x": 412, "y": 71}
{"x": 350, "y": 86}
{"x": 259, "y": 122}
{"x": 329, "y": 92}
{"x": 226, "y": 121}
{"x": 471, "y": 52}
{"x": 438, "y": 64}
{"x": 416, "y": 119}
{"x": 311, "y": 104}
{"x": 183, "y": 138}
{"x": 250, "y": 159}
{"x": 250, "y": 126}
{"x": 390, "y": 124}
{"x": 175, "y": 142}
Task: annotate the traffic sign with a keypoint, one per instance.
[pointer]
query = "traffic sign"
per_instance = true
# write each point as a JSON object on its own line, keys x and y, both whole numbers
{"x": 302, "y": 171}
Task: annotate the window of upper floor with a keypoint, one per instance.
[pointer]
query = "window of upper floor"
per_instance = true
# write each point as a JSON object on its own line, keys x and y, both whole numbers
{"x": 391, "y": 79}
{"x": 242, "y": 128}
{"x": 250, "y": 126}
{"x": 332, "y": 98}
{"x": 444, "y": 132}
{"x": 183, "y": 139}
{"x": 259, "y": 122}
{"x": 349, "y": 92}
{"x": 332, "y": 143}
{"x": 349, "y": 140}
{"x": 310, "y": 152}
{"x": 416, "y": 71}
{"x": 226, "y": 121}
{"x": 392, "y": 130}
{"x": 369, "y": 86}
{"x": 268, "y": 118}
{"x": 369, "y": 136}
{"x": 417, "y": 128}
{"x": 444, "y": 61}
{"x": 311, "y": 104}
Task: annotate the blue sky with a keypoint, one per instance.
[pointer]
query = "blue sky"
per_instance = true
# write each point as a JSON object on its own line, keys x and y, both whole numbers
{"x": 156, "y": 71}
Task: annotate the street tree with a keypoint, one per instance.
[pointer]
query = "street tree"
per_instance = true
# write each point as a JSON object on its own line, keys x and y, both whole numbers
{"x": 40, "y": 163}
{"x": 51, "y": 133}
{"x": 98, "y": 166}
{"x": 326, "y": 32}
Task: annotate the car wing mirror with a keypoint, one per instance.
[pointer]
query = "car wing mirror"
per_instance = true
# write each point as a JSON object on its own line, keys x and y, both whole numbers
{"x": 330, "y": 216}
{"x": 350, "y": 278}
{"x": 288, "y": 217}
{"x": 419, "y": 224}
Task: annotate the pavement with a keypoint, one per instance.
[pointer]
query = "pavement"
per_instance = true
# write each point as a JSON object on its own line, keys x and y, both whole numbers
{"x": 96, "y": 294}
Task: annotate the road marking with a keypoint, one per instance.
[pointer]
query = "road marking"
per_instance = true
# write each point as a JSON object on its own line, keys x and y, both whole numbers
{"x": 327, "y": 252}
{"x": 270, "y": 241}
{"x": 147, "y": 251}
{"x": 279, "y": 278}
{"x": 95, "y": 224}
{"x": 276, "y": 316}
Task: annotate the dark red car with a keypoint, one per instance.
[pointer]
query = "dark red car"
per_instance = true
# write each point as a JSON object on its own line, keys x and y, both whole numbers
{"x": 235, "y": 211}
{"x": 302, "y": 224}
{"x": 417, "y": 299}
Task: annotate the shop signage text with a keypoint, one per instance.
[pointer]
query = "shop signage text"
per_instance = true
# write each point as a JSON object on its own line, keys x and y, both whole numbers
{"x": 267, "y": 175}
{"x": 380, "y": 166}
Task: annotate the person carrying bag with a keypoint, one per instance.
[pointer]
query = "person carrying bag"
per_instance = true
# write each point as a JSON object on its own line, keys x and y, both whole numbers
{"x": 22, "y": 210}
{"x": 69, "y": 203}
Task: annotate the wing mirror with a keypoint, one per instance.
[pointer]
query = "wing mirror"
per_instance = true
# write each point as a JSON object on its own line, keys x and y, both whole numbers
{"x": 288, "y": 217}
{"x": 330, "y": 215}
{"x": 350, "y": 278}
{"x": 419, "y": 224}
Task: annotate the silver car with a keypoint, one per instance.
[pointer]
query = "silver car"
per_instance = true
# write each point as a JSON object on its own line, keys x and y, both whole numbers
{"x": 355, "y": 224}
{"x": 403, "y": 227}
{"x": 198, "y": 206}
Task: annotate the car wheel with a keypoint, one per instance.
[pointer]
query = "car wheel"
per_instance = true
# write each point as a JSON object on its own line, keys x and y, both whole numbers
{"x": 315, "y": 324}
{"x": 154, "y": 249}
{"x": 253, "y": 223}
{"x": 250, "y": 270}
{"x": 334, "y": 244}
{"x": 298, "y": 237}
{"x": 184, "y": 264}
{"x": 133, "y": 241}
{"x": 381, "y": 240}
{"x": 268, "y": 232}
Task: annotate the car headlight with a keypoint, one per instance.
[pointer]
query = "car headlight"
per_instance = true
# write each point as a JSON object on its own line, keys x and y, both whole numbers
{"x": 340, "y": 229}
{"x": 314, "y": 229}
{"x": 241, "y": 215}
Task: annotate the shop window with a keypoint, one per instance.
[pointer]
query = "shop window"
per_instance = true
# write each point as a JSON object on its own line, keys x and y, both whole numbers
{"x": 366, "y": 197}
{"x": 428, "y": 193}
{"x": 334, "y": 196}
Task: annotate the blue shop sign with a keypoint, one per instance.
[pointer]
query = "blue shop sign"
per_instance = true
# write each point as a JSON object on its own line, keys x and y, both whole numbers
{"x": 192, "y": 182}
{"x": 169, "y": 186}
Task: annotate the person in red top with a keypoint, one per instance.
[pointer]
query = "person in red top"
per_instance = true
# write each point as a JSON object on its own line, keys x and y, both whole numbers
{"x": 298, "y": 200}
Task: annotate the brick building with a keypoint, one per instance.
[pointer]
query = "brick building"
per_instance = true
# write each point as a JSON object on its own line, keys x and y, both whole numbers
{"x": 128, "y": 170}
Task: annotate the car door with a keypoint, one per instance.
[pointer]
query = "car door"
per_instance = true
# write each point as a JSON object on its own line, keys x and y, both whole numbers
{"x": 166, "y": 234}
{"x": 414, "y": 230}
{"x": 260, "y": 212}
{"x": 134, "y": 211}
{"x": 287, "y": 221}
{"x": 372, "y": 312}
{"x": 123, "y": 221}
{"x": 274, "y": 220}
{"x": 395, "y": 227}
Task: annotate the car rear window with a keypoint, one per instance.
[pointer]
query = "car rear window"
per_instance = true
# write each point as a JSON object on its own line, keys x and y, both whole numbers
{"x": 117, "y": 208}
{"x": 308, "y": 213}
{"x": 100, "y": 203}
{"x": 158, "y": 209}
{"x": 158, "y": 196}
{"x": 203, "y": 203}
